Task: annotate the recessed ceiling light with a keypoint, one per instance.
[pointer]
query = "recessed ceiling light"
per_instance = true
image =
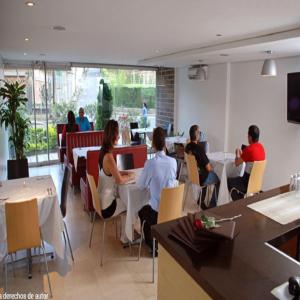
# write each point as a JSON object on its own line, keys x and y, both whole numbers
{"x": 26, "y": 39}
{"x": 30, "y": 3}
{"x": 219, "y": 34}
{"x": 25, "y": 53}
{"x": 157, "y": 51}
{"x": 224, "y": 54}
{"x": 59, "y": 28}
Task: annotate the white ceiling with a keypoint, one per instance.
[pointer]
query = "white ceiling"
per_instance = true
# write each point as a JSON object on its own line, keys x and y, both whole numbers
{"x": 146, "y": 32}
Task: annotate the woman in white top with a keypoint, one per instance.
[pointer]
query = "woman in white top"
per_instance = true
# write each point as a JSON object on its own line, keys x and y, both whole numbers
{"x": 109, "y": 175}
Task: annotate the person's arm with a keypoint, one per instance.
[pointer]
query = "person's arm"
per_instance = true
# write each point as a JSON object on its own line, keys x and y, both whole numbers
{"x": 112, "y": 167}
{"x": 88, "y": 125}
{"x": 144, "y": 178}
{"x": 238, "y": 157}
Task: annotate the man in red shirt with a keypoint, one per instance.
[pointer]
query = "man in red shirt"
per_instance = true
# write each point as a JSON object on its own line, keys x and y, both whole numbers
{"x": 254, "y": 152}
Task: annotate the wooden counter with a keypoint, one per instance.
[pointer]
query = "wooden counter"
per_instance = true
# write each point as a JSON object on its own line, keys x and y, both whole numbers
{"x": 243, "y": 269}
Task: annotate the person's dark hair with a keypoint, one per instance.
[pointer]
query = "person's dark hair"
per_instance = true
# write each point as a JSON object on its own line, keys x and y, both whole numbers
{"x": 71, "y": 117}
{"x": 111, "y": 131}
{"x": 159, "y": 139}
{"x": 193, "y": 131}
{"x": 253, "y": 131}
{"x": 145, "y": 104}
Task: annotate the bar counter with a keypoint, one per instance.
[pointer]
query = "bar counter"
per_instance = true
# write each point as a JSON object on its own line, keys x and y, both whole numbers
{"x": 245, "y": 268}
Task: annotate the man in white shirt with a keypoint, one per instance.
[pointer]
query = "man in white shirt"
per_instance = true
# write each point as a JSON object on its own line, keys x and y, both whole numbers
{"x": 158, "y": 173}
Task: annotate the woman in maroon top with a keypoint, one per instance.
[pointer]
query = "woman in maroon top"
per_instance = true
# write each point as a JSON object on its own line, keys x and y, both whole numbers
{"x": 254, "y": 152}
{"x": 71, "y": 126}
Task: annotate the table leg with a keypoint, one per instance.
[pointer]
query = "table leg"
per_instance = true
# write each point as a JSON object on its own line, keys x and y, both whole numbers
{"x": 29, "y": 263}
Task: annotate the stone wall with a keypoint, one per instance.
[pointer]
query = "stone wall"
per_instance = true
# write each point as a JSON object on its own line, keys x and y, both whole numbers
{"x": 165, "y": 78}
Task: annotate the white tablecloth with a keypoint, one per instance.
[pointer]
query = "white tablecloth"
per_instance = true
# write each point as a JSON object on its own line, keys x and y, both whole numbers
{"x": 82, "y": 152}
{"x": 134, "y": 199}
{"x": 141, "y": 130}
{"x": 50, "y": 217}
{"x": 224, "y": 167}
{"x": 174, "y": 139}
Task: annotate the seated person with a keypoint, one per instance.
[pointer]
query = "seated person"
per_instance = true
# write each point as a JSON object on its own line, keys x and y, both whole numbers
{"x": 83, "y": 121}
{"x": 254, "y": 152}
{"x": 109, "y": 175}
{"x": 71, "y": 126}
{"x": 158, "y": 173}
{"x": 206, "y": 174}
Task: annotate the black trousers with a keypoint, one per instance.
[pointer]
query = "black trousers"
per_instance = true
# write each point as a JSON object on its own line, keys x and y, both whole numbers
{"x": 240, "y": 183}
{"x": 148, "y": 215}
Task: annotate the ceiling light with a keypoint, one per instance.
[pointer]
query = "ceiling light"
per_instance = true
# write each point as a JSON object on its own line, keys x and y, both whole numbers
{"x": 59, "y": 28}
{"x": 30, "y": 3}
{"x": 26, "y": 39}
{"x": 269, "y": 66}
{"x": 198, "y": 72}
{"x": 25, "y": 53}
{"x": 218, "y": 34}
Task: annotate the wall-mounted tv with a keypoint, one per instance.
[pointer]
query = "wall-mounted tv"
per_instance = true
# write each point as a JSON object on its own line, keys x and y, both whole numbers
{"x": 293, "y": 97}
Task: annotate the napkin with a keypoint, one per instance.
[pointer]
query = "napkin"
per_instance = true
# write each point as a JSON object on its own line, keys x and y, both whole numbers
{"x": 202, "y": 239}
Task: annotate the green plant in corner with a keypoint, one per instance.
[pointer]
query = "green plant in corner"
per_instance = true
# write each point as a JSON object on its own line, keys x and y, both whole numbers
{"x": 14, "y": 100}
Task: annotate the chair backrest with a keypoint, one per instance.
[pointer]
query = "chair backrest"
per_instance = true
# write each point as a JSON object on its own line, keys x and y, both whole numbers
{"x": 133, "y": 125}
{"x": 64, "y": 192}
{"x": 59, "y": 129}
{"x": 171, "y": 201}
{"x": 125, "y": 161}
{"x": 256, "y": 177}
{"x": 22, "y": 225}
{"x": 95, "y": 194}
{"x": 192, "y": 168}
{"x": 179, "y": 150}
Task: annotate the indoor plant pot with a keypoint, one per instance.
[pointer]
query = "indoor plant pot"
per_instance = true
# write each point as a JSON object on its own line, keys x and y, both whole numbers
{"x": 12, "y": 117}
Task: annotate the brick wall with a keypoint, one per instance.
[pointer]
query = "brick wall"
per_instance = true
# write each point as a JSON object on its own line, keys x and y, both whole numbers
{"x": 165, "y": 96}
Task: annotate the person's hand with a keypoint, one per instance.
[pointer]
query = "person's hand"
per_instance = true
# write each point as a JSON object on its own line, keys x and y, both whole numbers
{"x": 131, "y": 175}
{"x": 238, "y": 152}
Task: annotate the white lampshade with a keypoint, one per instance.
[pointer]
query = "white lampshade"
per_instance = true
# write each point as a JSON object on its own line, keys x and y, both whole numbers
{"x": 269, "y": 68}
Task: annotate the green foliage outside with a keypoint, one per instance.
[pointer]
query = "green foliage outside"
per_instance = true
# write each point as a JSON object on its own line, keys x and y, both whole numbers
{"x": 41, "y": 138}
{"x": 59, "y": 111}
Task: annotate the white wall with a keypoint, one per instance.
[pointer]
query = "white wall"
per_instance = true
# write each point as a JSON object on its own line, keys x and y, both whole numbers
{"x": 263, "y": 101}
{"x": 3, "y": 139}
{"x": 202, "y": 103}
{"x": 251, "y": 99}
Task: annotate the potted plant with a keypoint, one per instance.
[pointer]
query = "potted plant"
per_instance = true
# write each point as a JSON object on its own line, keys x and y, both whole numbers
{"x": 13, "y": 100}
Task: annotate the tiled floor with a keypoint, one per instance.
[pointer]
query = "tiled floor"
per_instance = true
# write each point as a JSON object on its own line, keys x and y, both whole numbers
{"x": 121, "y": 277}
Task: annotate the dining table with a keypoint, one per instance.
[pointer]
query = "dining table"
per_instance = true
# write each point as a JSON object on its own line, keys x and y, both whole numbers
{"x": 224, "y": 166}
{"x": 134, "y": 199}
{"x": 50, "y": 218}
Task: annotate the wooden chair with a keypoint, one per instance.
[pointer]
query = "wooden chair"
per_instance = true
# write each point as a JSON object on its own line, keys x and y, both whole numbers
{"x": 98, "y": 210}
{"x": 193, "y": 176}
{"x": 63, "y": 205}
{"x": 23, "y": 230}
{"x": 170, "y": 208}
{"x": 255, "y": 179}
{"x": 125, "y": 161}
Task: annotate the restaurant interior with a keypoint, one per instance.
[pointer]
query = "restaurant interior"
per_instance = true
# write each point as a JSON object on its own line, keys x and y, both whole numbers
{"x": 157, "y": 164}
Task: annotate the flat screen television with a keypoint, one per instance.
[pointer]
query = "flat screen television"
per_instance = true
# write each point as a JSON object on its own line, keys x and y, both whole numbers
{"x": 293, "y": 101}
